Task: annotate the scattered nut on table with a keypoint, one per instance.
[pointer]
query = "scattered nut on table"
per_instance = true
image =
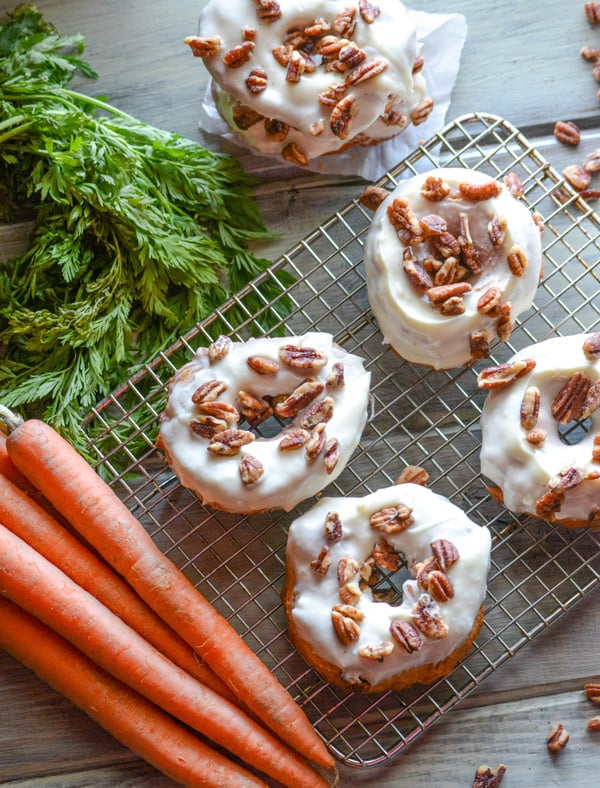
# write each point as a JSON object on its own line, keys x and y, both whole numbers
{"x": 558, "y": 737}
{"x": 486, "y": 777}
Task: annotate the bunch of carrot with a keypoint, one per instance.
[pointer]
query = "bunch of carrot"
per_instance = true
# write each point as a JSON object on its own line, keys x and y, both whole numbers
{"x": 90, "y": 604}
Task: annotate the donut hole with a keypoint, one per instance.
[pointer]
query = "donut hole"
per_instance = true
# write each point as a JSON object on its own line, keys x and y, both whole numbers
{"x": 387, "y": 585}
{"x": 573, "y": 432}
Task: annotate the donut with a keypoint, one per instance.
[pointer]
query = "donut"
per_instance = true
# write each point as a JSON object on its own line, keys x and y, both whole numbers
{"x": 263, "y": 424}
{"x": 451, "y": 258}
{"x": 337, "y": 554}
{"x": 540, "y": 430}
{"x": 301, "y": 80}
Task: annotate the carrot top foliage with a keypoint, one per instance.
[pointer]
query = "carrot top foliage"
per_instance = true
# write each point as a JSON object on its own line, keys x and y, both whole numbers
{"x": 138, "y": 232}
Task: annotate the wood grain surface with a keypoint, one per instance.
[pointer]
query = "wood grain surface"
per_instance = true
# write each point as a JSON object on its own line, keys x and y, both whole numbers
{"x": 522, "y": 62}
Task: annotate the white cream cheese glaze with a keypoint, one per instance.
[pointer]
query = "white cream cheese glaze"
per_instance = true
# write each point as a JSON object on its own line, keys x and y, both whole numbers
{"x": 435, "y": 518}
{"x": 418, "y": 330}
{"x": 288, "y": 476}
{"x": 383, "y": 102}
{"x": 527, "y": 469}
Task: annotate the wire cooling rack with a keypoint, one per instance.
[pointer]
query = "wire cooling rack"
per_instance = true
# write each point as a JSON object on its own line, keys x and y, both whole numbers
{"x": 420, "y": 417}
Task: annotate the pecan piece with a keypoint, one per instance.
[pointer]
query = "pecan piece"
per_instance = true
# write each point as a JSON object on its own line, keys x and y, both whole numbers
{"x": 347, "y": 568}
{"x": 480, "y": 346}
{"x": 505, "y": 323}
{"x": 437, "y": 295}
{"x": 497, "y": 231}
{"x": 303, "y": 358}
{"x": 203, "y": 46}
{"x": 331, "y": 454}
{"x": 378, "y": 652}
{"x": 596, "y": 449}
{"x": 504, "y": 374}
{"x": 453, "y": 306}
{"x": 333, "y": 527}
{"x": 470, "y": 254}
{"x": 569, "y": 402}
{"x": 592, "y": 12}
{"x": 548, "y": 503}
{"x": 433, "y": 224}
{"x": 276, "y": 130}
{"x": 251, "y": 469}
{"x": 257, "y": 80}
{"x": 299, "y": 399}
{"x": 315, "y": 443}
{"x": 294, "y": 439}
{"x": 514, "y": 184}
{"x": 415, "y": 271}
{"x": 435, "y": 188}
{"x": 427, "y": 618}
{"x": 366, "y": 70}
{"x": 237, "y": 56}
{"x": 268, "y": 10}
{"x": 295, "y": 155}
{"x": 536, "y": 437}
{"x": 350, "y": 594}
{"x": 254, "y": 410}
{"x": 517, "y": 261}
{"x": 447, "y": 272}
{"x": 349, "y": 57}
{"x": 230, "y": 442}
{"x": 577, "y": 177}
{"x": 220, "y": 410}
{"x": 591, "y": 346}
{"x": 594, "y": 724}
{"x": 474, "y": 192}
{"x": 557, "y": 738}
{"x": 346, "y": 628}
{"x": 344, "y": 23}
{"x": 592, "y": 691}
{"x": 262, "y": 365}
{"x": 218, "y": 349}
{"x": 422, "y": 571}
{"x": 320, "y": 411}
{"x": 404, "y": 222}
{"x": 439, "y": 586}
{"x": 368, "y": 11}
{"x": 295, "y": 67}
{"x": 445, "y": 553}
{"x": 373, "y": 196}
{"x": 422, "y": 111}
{"x": 485, "y": 777}
{"x": 386, "y": 556}
{"x": 208, "y": 391}
{"x": 489, "y": 301}
{"x": 406, "y": 635}
{"x": 245, "y": 117}
{"x": 335, "y": 379}
{"x": 322, "y": 562}
{"x": 413, "y": 474}
{"x": 207, "y": 426}
{"x": 591, "y": 162}
{"x": 592, "y": 400}
{"x": 567, "y": 132}
{"x": 333, "y": 95}
{"x": 392, "y": 519}
{"x": 530, "y": 408}
{"x": 341, "y": 116}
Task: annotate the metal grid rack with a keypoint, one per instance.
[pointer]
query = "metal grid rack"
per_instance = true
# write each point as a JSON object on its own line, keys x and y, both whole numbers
{"x": 420, "y": 417}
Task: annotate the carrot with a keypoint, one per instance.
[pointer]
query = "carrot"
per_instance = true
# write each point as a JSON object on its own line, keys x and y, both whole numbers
{"x": 41, "y": 589}
{"x": 95, "y": 511}
{"x": 24, "y": 517}
{"x": 153, "y": 735}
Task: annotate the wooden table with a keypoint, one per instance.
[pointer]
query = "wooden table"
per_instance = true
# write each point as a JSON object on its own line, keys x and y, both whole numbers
{"x": 521, "y": 61}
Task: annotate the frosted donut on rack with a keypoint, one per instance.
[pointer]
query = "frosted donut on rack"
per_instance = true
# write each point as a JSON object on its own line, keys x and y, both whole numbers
{"x": 337, "y": 554}
{"x": 452, "y": 257}
{"x": 300, "y": 80}
{"x": 263, "y": 424}
{"x": 540, "y": 429}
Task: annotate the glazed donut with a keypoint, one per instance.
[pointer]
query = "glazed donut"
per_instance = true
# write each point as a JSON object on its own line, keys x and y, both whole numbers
{"x": 263, "y": 424}
{"x": 534, "y": 400}
{"x": 300, "y": 80}
{"x": 334, "y": 558}
{"x": 451, "y": 259}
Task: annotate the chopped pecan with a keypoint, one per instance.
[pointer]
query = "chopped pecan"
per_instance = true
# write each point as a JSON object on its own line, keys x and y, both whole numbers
{"x": 254, "y": 410}
{"x": 220, "y": 410}
{"x": 366, "y": 70}
{"x": 470, "y": 254}
{"x": 485, "y": 777}
{"x": 344, "y": 23}
{"x": 474, "y": 192}
{"x": 591, "y": 162}
{"x": 348, "y": 57}
{"x": 257, "y": 80}
{"x": 536, "y": 436}
{"x": 594, "y": 724}
{"x": 335, "y": 379}
{"x": 206, "y": 426}
{"x": 447, "y": 245}
{"x": 218, "y": 349}
{"x": 433, "y": 224}
{"x": 567, "y": 132}
{"x": 330, "y": 46}
{"x": 320, "y": 411}
{"x": 295, "y": 155}
{"x": 590, "y": 53}
{"x": 413, "y": 474}
{"x": 505, "y": 323}
{"x": 333, "y": 527}
{"x": 322, "y": 562}
{"x": 437, "y": 295}
{"x": 517, "y": 261}
{"x": 377, "y": 652}
{"x": 386, "y": 556}
{"x": 392, "y": 519}
{"x": 331, "y": 454}
{"x": 418, "y": 64}
{"x": 504, "y": 374}
{"x": 567, "y": 479}
{"x": 316, "y": 442}
{"x": 230, "y": 442}
{"x": 245, "y": 117}
{"x": 263, "y": 365}
{"x": 350, "y": 594}
{"x": 404, "y": 221}
{"x": 295, "y": 67}
{"x": 333, "y": 94}
{"x": 346, "y": 628}
{"x": 591, "y": 346}
{"x": 453, "y": 306}
{"x": 427, "y": 618}
{"x": 592, "y": 400}
{"x": 415, "y": 271}
{"x": 514, "y": 184}
{"x": 577, "y": 177}
{"x": 249, "y": 34}
{"x": 275, "y": 130}
{"x": 302, "y": 358}
{"x": 294, "y": 439}
{"x": 251, "y": 469}
{"x": 406, "y": 635}
{"x": 530, "y": 408}
{"x": 421, "y": 571}
{"x": 268, "y": 10}
{"x": 204, "y": 46}
{"x": 439, "y": 586}
{"x": 317, "y": 127}
{"x": 319, "y": 27}
{"x": 489, "y": 301}
{"x": 569, "y": 402}
{"x": 479, "y": 344}
{"x": 347, "y": 568}
{"x": 592, "y": 691}
{"x": 549, "y": 502}
{"x": 208, "y": 391}
{"x": 422, "y": 111}
{"x": 300, "y": 398}
{"x": 237, "y": 56}
{"x": 373, "y": 196}
{"x": 368, "y": 11}
{"x": 435, "y": 188}
{"x": 445, "y": 553}
{"x": 557, "y": 738}
{"x": 283, "y": 53}
{"x": 341, "y": 116}
{"x": 447, "y": 272}
{"x": 497, "y": 230}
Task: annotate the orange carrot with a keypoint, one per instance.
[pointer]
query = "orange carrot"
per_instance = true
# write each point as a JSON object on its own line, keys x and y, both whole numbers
{"x": 41, "y": 589}
{"x": 153, "y": 735}
{"x": 95, "y": 511}
{"x": 20, "y": 514}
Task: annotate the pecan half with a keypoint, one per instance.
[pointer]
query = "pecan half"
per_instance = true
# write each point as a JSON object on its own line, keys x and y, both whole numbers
{"x": 567, "y": 132}
{"x": 445, "y": 553}
{"x": 569, "y": 402}
{"x": 340, "y": 120}
{"x": 237, "y": 56}
{"x": 303, "y": 358}
{"x": 435, "y": 188}
{"x": 322, "y": 562}
{"x": 294, "y": 439}
{"x": 368, "y": 11}
{"x": 439, "y": 586}
{"x": 230, "y": 442}
{"x": 318, "y": 412}
{"x": 275, "y": 130}
{"x": 497, "y": 231}
{"x": 577, "y": 177}
{"x": 557, "y": 738}
{"x": 474, "y": 192}
{"x": 245, "y": 117}
{"x": 514, "y": 184}
{"x": 344, "y": 23}
{"x": 427, "y": 618}
{"x": 470, "y": 254}
{"x": 315, "y": 443}
{"x": 257, "y": 80}
{"x": 413, "y": 474}
{"x": 333, "y": 527}
{"x": 392, "y": 519}
{"x": 295, "y": 67}
{"x": 591, "y": 346}
{"x": 254, "y": 410}
{"x": 536, "y": 437}
{"x": 208, "y": 391}
{"x": 366, "y": 70}
{"x": 268, "y": 10}
{"x": 251, "y": 469}
{"x": 206, "y": 426}
{"x": 489, "y": 301}
{"x": 300, "y": 398}
{"x": 592, "y": 400}
{"x": 504, "y": 374}
{"x": 262, "y": 365}
{"x": 596, "y": 449}
{"x": 404, "y": 222}
{"x": 221, "y": 410}
{"x": 437, "y": 295}
{"x": 592, "y": 691}
{"x": 331, "y": 454}
{"x": 517, "y": 261}
{"x": 415, "y": 271}
{"x": 204, "y": 46}
{"x": 422, "y": 111}
{"x": 350, "y": 594}
{"x": 591, "y": 162}
{"x": 377, "y": 652}
{"x": 386, "y": 556}
{"x": 218, "y": 349}
{"x": 346, "y": 628}
{"x": 530, "y": 408}
{"x": 406, "y": 635}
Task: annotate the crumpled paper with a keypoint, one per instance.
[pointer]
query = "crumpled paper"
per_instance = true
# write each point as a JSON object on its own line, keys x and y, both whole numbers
{"x": 442, "y": 37}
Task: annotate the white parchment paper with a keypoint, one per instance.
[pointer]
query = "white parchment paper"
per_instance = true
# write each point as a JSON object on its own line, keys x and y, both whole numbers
{"x": 442, "y": 37}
